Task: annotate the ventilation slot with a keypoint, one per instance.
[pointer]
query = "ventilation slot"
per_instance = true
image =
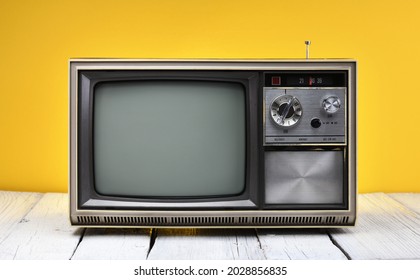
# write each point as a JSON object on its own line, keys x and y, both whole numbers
{"x": 89, "y": 220}
{"x": 243, "y": 220}
{"x": 330, "y": 220}
{"x": 135, "y": 220}
{"x": 345, "y": 220}
{"x": 290, "y": 220}
{"x": 202, "y": 220}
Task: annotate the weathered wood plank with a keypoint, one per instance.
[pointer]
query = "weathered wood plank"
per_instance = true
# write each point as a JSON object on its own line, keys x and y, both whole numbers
{"x": 292, "y": 244}
{"x": 409, "y": 200}
{"x": 385, "y": 230}
{"x": 114, "y": 244}
{"x": 218, "y": 244}
{"x": 36, "y": 226}
{"x": 13, "y": 207}
{"x": 43, "y": 233}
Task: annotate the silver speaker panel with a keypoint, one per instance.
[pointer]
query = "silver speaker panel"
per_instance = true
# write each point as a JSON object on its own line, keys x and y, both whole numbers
{"x": 304, "y": 177}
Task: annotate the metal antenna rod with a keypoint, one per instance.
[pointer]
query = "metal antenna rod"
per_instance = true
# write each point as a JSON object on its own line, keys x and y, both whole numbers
{"x": 307, "y": 43}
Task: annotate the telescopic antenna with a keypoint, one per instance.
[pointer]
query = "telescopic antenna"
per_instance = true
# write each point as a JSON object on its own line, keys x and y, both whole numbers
{"x": 307, "y": 43}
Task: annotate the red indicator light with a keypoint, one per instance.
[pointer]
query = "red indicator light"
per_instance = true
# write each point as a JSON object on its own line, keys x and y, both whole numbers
{"x": 276, "y": 81}
{"x": 311, "y": 81}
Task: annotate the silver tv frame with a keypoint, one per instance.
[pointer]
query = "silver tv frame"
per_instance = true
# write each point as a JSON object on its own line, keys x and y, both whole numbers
{"x": 213, "y": 218}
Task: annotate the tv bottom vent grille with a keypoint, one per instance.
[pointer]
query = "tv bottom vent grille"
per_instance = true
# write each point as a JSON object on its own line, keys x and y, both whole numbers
{"x": 212, "y": 221}
{"x": 89, "y": 219}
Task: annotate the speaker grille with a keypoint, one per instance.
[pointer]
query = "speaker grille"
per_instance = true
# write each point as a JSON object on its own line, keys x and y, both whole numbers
{"x": 205, "y": 221}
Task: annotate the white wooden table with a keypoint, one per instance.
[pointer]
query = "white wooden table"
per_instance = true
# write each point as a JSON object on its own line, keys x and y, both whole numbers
{"x": 36, "y": 226}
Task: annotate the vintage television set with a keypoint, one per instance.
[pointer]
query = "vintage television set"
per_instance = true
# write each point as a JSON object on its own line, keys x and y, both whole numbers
{"x": 212, "y": 143}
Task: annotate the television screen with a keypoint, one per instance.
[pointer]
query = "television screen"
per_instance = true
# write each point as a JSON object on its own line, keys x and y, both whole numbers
{"x": 169, "y": 138}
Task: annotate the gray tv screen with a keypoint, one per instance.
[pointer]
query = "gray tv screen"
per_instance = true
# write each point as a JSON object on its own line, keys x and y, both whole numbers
{"x": 163, "y": 138}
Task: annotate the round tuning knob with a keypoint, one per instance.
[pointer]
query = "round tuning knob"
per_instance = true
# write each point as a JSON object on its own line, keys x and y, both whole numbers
{"x": 286, "y": 111}
{"x": 331, "y": 104}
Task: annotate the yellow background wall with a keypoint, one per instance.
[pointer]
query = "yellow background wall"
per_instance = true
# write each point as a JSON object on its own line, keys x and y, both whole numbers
{"x": 38, "y": 37}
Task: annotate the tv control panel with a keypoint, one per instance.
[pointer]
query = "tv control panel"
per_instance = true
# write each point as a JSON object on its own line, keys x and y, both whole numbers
{"x": 305, "y": 108}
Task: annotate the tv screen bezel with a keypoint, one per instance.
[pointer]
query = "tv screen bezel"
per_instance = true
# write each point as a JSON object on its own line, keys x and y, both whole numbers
{"x": 88, "y": 198}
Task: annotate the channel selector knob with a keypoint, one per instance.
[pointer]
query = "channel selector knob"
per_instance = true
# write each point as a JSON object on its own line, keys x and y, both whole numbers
{"x": 331, "y": 104}
{"x": 286, "y": 111}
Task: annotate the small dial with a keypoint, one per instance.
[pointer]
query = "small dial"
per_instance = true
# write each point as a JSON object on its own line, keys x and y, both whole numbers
{"x": 316, "y": 123}
{"x": 331, "y": 104}
{"x": 286, "y": 111}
